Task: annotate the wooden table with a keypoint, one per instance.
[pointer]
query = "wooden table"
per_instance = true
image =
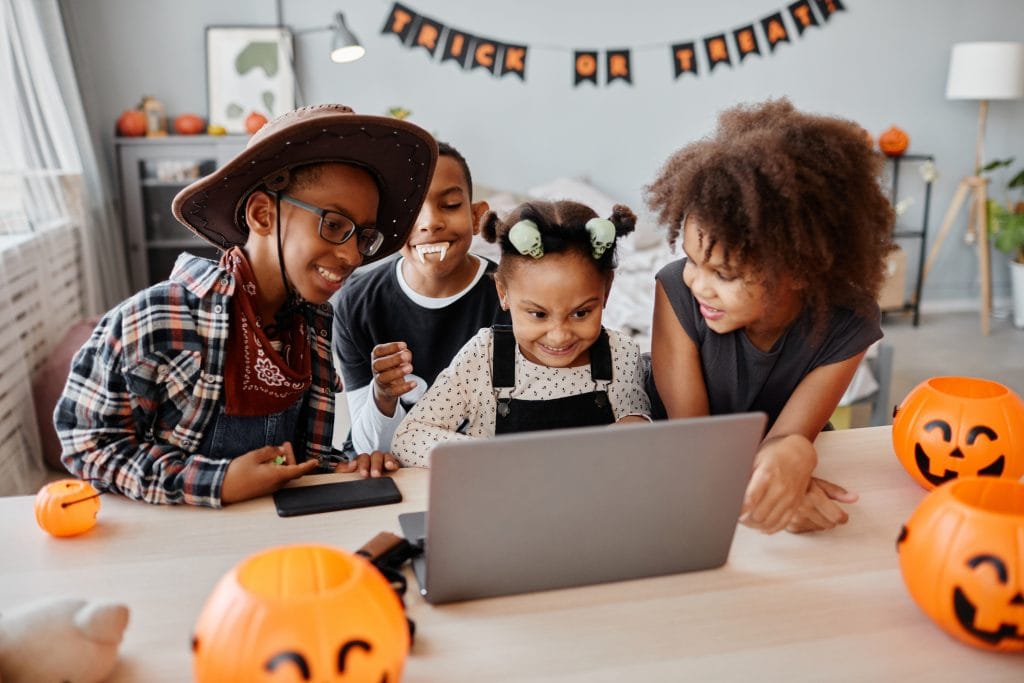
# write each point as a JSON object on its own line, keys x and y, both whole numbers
{"x": 829, "y": 606}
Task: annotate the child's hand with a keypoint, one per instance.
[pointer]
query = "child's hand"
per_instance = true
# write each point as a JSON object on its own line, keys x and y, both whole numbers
{"x": 370, "y": 464}
{"x": 818, "y": 511}
{"x": 256, "y": 473}
{"x": 782, "y": 474}
{"x": 391, "y": 362}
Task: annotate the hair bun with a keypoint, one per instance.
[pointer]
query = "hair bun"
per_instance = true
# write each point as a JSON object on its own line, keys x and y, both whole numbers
{"x": 624, "y": 219}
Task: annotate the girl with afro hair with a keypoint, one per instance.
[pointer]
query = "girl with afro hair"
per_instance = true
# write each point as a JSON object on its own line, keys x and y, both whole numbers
{"x": 556, "y": 366}
{"x": 784, "y": 229}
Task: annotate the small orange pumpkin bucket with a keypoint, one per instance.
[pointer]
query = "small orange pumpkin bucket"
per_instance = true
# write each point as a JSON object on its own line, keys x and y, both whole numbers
{"x": 949, "y": 427}
{"x": 311, "y": 612}
{"x": 67, "y": 507}
{"x": 962, "y": 558}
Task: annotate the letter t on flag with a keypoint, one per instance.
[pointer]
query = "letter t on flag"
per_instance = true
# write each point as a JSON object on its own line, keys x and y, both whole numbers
{"x": 400, "y": 22}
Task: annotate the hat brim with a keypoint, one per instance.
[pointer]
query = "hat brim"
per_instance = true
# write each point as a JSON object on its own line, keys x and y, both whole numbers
{"x": 399, "y": 155}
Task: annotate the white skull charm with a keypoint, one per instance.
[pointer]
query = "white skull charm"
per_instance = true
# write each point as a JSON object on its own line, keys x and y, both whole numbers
{"x": 602, "y": 235}
{"x": 525, "y": 237}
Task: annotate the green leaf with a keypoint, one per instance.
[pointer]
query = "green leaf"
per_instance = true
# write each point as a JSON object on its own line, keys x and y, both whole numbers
{"x": 1018, "y": 180}
{"x": 997, "y": 163}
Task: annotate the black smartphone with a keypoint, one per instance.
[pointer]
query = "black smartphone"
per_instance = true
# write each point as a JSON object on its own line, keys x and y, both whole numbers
{"x": 339, "y": 495}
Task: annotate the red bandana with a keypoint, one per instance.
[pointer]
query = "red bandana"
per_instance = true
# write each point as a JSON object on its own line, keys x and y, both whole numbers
{"x": 259, "y": 380}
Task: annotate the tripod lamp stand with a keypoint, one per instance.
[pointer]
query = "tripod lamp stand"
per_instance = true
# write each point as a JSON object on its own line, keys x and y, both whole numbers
{"x": 983, "y": 72}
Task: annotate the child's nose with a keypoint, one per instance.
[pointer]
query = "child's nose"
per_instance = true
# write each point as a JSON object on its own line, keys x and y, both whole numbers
{"x": 429, "y": 219}
{"x": 349, "y": 251}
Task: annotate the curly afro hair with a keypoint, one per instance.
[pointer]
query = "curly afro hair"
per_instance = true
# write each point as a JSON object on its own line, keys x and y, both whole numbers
{"x": 562, "y": 226}
{"x": 786, "y": 192}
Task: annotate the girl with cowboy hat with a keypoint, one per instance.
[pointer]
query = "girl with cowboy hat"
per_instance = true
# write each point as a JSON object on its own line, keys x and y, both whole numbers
{"x": 217, "y": 385}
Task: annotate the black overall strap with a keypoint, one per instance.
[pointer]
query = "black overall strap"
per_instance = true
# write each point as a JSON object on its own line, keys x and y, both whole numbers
{"x": 601, "y": 359}
{"x": 503, "y": 360}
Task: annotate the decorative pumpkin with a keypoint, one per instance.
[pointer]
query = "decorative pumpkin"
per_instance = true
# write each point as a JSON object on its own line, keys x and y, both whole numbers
{"x": 131, "y": 123}
{"x": 319, "y": 613}
{"x": 962, "y": 558}
{"x": 254, "y": 121}
{"x": 894, "y": 142}
{"x": 67, "y": 507}
{"x": 188, "y": 124}
{"x": 948, "y": 427}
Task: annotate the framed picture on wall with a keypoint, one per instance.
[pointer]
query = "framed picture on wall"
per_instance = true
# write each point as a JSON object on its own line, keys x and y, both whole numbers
{"x": 248, "y": 69}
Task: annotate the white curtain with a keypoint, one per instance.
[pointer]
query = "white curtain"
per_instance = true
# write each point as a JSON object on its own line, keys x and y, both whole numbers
{"x": 44, "y": 137}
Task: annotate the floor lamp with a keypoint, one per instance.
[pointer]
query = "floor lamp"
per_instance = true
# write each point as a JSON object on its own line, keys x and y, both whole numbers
{"x": 979, "y": 71}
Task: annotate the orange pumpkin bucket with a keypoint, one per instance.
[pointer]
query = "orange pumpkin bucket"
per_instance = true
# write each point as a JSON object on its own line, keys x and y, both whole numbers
{"x": 949, "y": 427}
{"x": 304, "y": 612}
{"x": 67, "y": 507}
{"x": 962, "y": 557}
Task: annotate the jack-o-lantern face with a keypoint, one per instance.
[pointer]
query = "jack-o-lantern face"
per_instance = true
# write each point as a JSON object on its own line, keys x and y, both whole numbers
{"x": 301, "y": 613}
{"x": 960, "y": 426}
{"x": 962, "y": 558}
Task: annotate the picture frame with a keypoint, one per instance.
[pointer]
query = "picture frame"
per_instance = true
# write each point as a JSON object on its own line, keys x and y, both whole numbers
{"x": 248, "y": 69}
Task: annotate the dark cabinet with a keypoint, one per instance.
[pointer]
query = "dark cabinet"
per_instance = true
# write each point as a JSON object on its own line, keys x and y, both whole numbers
{"x": 151, "y": 171}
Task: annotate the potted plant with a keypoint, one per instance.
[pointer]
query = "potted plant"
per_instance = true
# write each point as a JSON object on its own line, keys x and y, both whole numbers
{"x": 1006, "y": 226}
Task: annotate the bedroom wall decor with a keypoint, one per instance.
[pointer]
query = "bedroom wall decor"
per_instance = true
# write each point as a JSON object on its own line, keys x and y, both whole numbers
{"x": 471, "y": 51}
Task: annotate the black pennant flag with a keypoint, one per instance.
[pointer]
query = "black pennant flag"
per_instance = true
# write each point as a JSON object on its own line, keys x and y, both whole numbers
{"x": 456, "y": 47}
{"x": 746, "y": 41}
{"x": 829, "y": 7}
{"x": 513, "y": 61}
{"x": 617, "y": 65}
{"x": 684, "y": 59}
{"x": 775, "y": 31}
{"x": 428, "y": 33}
{"x": 485, "y": 54}
{"x": 717, "y": 50}
{"x": 802, "y": 15}
{"x": 400, "y": 22}
{"x": 584, "y": 67}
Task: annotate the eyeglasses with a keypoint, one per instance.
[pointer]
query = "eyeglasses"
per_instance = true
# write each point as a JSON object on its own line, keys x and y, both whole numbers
{"x": 337, "y": 228}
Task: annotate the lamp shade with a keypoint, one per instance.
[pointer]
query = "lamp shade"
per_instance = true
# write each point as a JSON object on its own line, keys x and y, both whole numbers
{"x": 986, "y": 71}
{"x": 345, "y": 47}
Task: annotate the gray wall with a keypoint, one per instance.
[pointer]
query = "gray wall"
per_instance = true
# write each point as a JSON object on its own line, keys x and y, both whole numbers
{"x": 879, "y": 63}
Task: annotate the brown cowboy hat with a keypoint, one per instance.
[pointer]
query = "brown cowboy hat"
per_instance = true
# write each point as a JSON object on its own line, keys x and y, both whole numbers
{"x": 399, "y": 155}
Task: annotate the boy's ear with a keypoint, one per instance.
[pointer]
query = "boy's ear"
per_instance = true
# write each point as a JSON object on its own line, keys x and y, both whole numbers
{"x": 259, "y": 213}
{"x": 479, "y": 209}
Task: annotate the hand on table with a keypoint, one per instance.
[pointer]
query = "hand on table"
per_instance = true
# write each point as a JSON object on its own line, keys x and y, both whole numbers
{"x": 781, "y": 477}
{"x": 257, "y": 473}
{"x": 819, "y": 510}
{"x": 370, "y": 464}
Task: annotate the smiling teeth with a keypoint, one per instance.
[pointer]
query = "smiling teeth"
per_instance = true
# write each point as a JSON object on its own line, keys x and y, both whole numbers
{"x": 434, "y": 248}
{"x": 328, "y": 275}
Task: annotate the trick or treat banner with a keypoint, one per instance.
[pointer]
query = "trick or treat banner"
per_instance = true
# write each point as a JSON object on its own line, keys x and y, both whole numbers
{"x": 697, "y": 57}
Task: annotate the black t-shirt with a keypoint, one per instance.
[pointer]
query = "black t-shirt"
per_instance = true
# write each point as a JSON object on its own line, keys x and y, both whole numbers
{"x": 373, "y": 309}
{"x": 738, "y": 376}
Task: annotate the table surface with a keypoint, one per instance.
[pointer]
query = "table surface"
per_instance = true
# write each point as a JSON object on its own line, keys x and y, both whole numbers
{"x": 827, "y": 606}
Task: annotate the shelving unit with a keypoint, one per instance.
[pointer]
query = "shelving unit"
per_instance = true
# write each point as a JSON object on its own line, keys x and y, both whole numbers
{"x": 151, "y": 171}
{"x": 912, "y": 305}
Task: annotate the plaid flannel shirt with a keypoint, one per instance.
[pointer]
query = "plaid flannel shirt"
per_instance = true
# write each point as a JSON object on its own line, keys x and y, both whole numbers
{"x": 146, "y": 385}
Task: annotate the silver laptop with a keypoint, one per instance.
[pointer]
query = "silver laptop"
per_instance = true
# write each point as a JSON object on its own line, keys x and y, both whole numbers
{"x": 554, "y": 509}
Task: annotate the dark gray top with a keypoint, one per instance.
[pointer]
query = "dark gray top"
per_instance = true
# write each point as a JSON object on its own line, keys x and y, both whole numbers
{"x": 740, "y": 377}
